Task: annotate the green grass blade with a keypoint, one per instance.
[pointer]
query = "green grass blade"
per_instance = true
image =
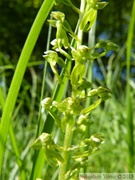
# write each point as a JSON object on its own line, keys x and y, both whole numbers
{"x": 19, "y": 73}
{"x": 38, "y": 163}
{"x": 129, "y": 111}
{"x": 17, "y": 153}
{"x": 13, "y": 139}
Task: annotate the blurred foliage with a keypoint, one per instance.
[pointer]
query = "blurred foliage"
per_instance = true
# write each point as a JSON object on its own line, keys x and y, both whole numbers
{"x": 114, "y": 20}
{"x": 15, "y": 21}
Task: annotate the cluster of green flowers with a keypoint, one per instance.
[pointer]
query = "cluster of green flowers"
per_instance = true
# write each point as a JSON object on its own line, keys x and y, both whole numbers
{"x": 71, "y": 112}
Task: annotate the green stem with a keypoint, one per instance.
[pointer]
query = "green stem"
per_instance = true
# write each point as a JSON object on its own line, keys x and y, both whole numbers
{"x": 19, "y": 73}
{"x": 68, "y": 133}
{"x": 67, "y": 141}
{"x": 80, "y": 32}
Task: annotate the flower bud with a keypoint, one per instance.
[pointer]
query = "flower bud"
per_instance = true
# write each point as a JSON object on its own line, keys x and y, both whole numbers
{"x": 93, "y": 92}
{"x": 58, "y": 15}
{"x": 47, "y": 103}
{"x": 96, "y": 140}
{"x": 104, "y": 93}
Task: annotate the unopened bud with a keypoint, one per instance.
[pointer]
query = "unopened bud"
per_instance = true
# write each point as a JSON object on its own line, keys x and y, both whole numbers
{"x": 47, "y": 103}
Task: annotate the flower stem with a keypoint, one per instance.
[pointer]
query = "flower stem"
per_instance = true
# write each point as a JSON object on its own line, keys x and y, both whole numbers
{"x": 67, "y": 141}
{"x": 68, "y": 133}
{"x": 80, "y": 32}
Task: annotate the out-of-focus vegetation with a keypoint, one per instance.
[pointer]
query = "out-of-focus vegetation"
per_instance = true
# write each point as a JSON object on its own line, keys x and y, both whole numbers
{"x": 16, "y": 18}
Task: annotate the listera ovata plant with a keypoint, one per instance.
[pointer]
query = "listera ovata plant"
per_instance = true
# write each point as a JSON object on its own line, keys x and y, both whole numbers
{"x": 71, "y": 115}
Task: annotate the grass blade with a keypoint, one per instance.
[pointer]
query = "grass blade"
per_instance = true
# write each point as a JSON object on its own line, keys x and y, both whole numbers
{"x": 129, "y": 110}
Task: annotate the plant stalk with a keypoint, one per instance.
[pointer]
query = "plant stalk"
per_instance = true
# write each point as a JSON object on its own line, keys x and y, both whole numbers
{"x": 65, "y": 154}
{"x": 68, "y": 133}
{"x": 80, "y": 32}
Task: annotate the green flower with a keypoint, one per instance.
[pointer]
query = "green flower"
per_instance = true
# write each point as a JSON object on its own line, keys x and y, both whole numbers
{"x": 51, "y": 150}
{"x": 53, "y": 59}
